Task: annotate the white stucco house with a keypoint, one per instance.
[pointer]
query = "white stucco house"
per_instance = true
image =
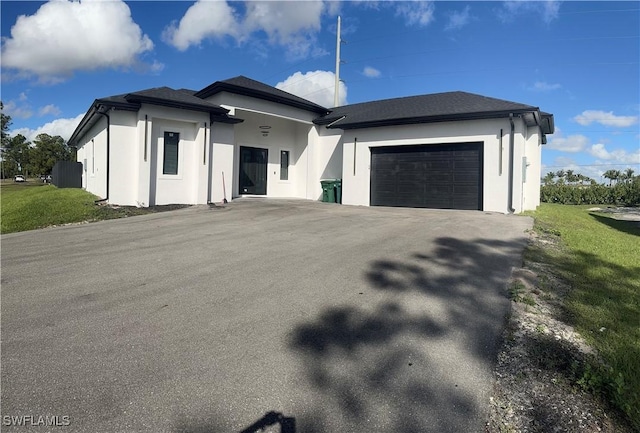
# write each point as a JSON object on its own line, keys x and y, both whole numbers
{"x": 240, "y": 137}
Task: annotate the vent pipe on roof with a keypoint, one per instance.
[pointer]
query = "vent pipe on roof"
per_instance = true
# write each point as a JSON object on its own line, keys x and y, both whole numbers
{"x": 510, "y": 208}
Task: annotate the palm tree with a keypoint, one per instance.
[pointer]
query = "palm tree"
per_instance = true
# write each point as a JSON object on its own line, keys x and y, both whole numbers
{"x": 611, "y": 175}
{"x": 560, "y": 173}
{"x": 628, "y": 174}
{"x": 548, "y": 178}
{"x": 571, "y": 178}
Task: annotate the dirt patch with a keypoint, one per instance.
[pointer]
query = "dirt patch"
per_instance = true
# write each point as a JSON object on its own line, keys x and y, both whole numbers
{"x": 542, "y": 359}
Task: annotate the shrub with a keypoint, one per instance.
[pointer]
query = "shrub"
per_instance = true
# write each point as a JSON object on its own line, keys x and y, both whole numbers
{"x": 620, "y": 194}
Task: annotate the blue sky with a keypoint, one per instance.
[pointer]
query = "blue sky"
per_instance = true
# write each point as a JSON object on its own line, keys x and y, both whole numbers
{"x": 577, "y": 60}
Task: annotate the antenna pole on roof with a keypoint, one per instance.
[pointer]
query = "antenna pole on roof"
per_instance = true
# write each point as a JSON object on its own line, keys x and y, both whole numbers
{"x": 336, "y": 93}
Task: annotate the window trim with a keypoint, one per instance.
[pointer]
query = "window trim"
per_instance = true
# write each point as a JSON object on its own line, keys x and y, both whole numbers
{"x": 288, "y": 178}
{"x": 165, "y": 135}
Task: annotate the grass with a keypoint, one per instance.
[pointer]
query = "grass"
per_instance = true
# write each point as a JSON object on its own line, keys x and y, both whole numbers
{"x": 601, "y": 262}
{"x": 33, "y": 205}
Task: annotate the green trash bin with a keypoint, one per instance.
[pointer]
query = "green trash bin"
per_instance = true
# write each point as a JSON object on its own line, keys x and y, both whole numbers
{"x": 338, "y": 188}
{"x": 328, "y": 191}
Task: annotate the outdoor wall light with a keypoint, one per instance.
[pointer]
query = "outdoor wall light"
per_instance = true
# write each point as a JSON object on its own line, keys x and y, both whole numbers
{"x": 264, "y": 129}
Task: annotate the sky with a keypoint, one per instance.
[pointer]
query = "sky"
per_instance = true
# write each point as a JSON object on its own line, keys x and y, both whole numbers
{"x": 578, "y": 60}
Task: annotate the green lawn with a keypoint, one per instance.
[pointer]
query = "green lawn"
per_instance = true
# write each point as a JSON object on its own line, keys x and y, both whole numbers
{"x": 601, "y": 261}
{"x": 33, "y": 205}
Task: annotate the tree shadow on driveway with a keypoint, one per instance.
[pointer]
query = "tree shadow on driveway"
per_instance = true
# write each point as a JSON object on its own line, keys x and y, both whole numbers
{"x": 418, "y": 355}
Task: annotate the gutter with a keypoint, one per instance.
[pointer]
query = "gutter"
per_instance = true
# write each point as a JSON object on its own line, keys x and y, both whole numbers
{"x": 335, "y": 121}
{"x": 510, "y": 208}
{"x": 99, "y": 111}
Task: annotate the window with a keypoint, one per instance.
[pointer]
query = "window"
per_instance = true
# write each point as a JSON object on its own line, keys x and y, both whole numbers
{"x": 284, "y": 165}
{"x": 170, "y": 159}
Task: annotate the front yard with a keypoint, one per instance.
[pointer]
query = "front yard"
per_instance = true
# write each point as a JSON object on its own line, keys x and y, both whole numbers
{"x": 33, "y": 205}
{"x": 572, "y": 348}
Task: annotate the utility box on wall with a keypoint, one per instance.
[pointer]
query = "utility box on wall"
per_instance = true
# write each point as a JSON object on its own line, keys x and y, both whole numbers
{"x": 67, "y": 174}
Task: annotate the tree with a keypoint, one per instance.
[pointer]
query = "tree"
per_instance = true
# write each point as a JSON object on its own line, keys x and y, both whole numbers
{"x": 548, "y": 178}
{"x": 47, "y": 151}
{"x": 611, "y": 175}
{"x": 5, "y": 123}
{"x": 16, "y": 155}
{"x": 628, "y": 175}
{"x": 571, "y": 177}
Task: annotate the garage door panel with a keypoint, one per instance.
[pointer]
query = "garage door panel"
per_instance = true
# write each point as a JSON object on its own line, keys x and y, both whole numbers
{"x": 434, "y": 176}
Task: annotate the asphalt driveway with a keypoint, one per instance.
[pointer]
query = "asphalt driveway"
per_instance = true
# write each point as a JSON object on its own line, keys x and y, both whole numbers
{"x": 341, "y": 319}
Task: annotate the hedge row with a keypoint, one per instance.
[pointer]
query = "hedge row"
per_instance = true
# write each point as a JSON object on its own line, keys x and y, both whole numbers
{"x": 621, "y": 194}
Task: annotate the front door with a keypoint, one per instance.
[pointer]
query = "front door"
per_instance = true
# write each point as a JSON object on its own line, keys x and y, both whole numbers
{"x": 253, "y": 170}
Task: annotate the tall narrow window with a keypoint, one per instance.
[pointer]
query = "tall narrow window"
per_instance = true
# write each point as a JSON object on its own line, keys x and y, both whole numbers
{"x": 284, "y": 165}
{"x": 170, "y": 159}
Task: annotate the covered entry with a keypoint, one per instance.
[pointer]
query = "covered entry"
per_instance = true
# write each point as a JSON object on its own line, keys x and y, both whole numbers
{"x": 443, "y": 176}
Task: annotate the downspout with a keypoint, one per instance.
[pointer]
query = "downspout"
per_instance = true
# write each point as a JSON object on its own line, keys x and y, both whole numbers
{"x": 108, "y": 153}
{"x": 510, "y": 208}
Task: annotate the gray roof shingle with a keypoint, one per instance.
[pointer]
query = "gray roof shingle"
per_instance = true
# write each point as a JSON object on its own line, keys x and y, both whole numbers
{"x": 248, "y": 87}
{"x": 418, "y": 109}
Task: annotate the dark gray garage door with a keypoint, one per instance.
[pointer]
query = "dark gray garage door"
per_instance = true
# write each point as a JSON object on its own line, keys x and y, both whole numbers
{"x": 444, "y": 176}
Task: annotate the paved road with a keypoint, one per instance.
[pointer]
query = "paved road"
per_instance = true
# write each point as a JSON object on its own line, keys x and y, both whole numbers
{"x": 343, "y": 319}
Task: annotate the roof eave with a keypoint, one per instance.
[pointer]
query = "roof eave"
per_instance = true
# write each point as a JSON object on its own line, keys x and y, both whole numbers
{"x": 177, "y": 104}
{"x": 218, "y": 87}
{"x": 90, "y": 118}
{"x": 425, "y": 119}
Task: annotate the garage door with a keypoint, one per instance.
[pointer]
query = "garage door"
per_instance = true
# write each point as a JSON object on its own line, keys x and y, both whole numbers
{"x": 446, "y": 176}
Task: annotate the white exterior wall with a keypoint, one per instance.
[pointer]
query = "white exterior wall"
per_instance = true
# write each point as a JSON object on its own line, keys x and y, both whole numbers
{"x": 190, "y": 185}
{"x": 123, "y": 166}
{"x": 356, "y": 187}
{"x": 92, "y": 153}
{"x": 222, "y": 162}
{"x": 326, "y": 156}
{"x": 232, "y": 101}
{"x": 533, "y": 154}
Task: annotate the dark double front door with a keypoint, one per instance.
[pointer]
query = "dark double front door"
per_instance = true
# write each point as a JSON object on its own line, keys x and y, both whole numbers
{"x": 253, "y": 170}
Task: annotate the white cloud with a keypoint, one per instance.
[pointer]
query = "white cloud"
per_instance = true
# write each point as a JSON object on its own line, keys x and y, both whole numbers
{"x": 293, "y": 25}
{"x": 419, "y": 13}
{"x": 370, "y": 72}
{"x": 547, "y": 9}
{"x": 50, "y": 109}
{"x": 63, "y": 127}
{"x": 63, "y": 36}
{"x": 459, "y": 19}
{"x": 620, "y": 156}
{"x": 605, "y": 118}
{"x": 572, "y": 144}
{"x": 18, "y": 111}
{"x": 543, "y": 86}
{"x": 316, "y": 86}
{"x": 202, "y": 20}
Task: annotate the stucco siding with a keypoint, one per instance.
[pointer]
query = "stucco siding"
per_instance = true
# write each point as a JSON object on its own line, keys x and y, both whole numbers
{"x": 123, "y": 166}
{"x": 222, "y": 163}
{"x": 189, "y": 185}
{"x": 233, "y": 102}
{"x": 93, "y": 156}
{"x": 356, "y": 170}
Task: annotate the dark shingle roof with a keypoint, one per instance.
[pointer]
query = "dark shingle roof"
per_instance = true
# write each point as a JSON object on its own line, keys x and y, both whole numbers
{"x": 435, "y": 107}
{"x": 246, "y": 86}
{"x": 163, "y": 96}
{"x": 174, "y": 98}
